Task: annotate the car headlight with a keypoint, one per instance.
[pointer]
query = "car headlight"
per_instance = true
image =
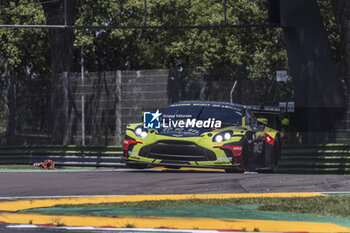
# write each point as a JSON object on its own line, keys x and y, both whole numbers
{"x": 140, "y": 132}
{"x": 223, "y": 136}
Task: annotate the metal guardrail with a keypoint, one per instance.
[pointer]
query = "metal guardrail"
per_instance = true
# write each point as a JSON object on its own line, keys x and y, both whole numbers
{"x": 95, "y": 156}
{"x": 328, "y": 158}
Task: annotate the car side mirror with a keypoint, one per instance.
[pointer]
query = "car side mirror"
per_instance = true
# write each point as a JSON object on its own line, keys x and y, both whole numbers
{"x": 263, "y": 121}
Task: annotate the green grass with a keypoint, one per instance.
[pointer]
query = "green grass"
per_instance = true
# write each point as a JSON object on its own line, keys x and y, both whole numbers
{"x": 338, "y": 206}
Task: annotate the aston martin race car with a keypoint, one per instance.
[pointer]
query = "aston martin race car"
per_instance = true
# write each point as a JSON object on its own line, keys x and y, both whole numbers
{"x": 203, "y": 134}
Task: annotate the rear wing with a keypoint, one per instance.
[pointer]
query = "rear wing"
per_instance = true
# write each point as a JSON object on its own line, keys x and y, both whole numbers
{"x": 272, "y": 114}
{"x": 271, "y": 110}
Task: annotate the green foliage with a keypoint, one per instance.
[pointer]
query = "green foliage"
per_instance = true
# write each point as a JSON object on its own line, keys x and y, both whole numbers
{"x": 334, "y": 36}
{"x": 4, "y": 114}
{"x": 261, "y": 51}
{"x": 108, "y": 49}
{"x": 26, "y": 50}
{"x": 196, "y": 48}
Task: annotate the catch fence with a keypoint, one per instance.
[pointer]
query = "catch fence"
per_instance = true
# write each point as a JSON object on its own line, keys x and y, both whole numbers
{"x": 95, "y": 108}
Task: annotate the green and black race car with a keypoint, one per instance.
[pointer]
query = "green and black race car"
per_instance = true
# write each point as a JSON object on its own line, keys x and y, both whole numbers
{"x": 204, "y": 134}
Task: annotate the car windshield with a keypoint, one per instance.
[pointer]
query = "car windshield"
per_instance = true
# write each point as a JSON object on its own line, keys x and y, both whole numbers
{"x": 227, "y": 116}
{"x": 182, "y": 112}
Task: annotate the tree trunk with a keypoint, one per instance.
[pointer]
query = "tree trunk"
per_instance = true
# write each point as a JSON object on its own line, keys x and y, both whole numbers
{"x": 341, "y": 10}
{"x": 61, "y": 43}
{"x": 9, "y": 106}
{"x": 61, "y": 40}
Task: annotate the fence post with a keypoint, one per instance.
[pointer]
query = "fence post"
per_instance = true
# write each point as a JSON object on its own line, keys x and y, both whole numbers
{"x": 118, "y": 117}
{"x": 12, "y": 108}
{"x": 65, "y": 109}
{"x": 239, "y": 84}
{"x": 82, "y": 99}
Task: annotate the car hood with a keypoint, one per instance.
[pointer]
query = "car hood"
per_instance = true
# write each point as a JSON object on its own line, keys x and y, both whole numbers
{"x": 187, "y": 132}
{"x": 183, "y": 132}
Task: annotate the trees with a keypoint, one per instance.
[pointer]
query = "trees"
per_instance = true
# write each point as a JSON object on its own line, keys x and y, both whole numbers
{"x": 341, "y": 10}
{"x": 140, "y": 49}
{"x": 61, "y": 41}
{"x": 23, "y": 52}
{"x": 260, "y": 50}
{"x": 61, "y": 44}
{"x": 136, "y": 49}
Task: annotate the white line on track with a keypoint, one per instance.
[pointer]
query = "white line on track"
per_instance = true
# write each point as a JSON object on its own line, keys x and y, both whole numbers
{"x": 117, "y": 229}
{"x": 338, "y": 192}
{"x": 22, "y": 226}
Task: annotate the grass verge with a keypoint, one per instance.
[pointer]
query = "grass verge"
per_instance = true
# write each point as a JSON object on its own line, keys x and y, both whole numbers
{"x": 337, "y": 206}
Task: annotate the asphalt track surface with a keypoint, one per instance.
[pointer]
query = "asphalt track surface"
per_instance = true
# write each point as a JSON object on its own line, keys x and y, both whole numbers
{"x": 133, "y": 182}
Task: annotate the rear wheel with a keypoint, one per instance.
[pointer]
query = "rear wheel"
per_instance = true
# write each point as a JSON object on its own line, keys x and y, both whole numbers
{"x": 136, "y": 166}
{"x": 232, "y": 170}
{"x": 172, "y": 167}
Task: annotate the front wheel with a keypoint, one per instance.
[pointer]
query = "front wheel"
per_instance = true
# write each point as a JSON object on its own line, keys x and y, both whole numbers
{"x": 272, "y": 155}
{"x": 245, "y": 157}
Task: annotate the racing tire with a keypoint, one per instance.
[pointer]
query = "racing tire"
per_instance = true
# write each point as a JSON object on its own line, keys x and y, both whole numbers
{"x": 272, "y": 156}
{"x": 136, "y": 166}
{"x": 172, "y": 167}
{"x": 248, "y": 162}
{"x": 232, "y": 170}
{"x": 244, "y": 164}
